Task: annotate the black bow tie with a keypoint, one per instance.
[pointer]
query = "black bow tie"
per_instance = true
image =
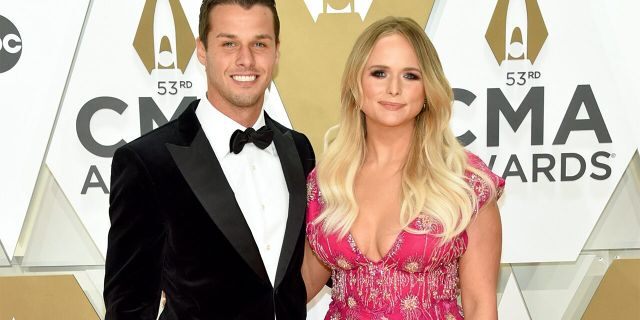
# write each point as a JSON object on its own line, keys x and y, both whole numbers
{"x": 261, "y": 138}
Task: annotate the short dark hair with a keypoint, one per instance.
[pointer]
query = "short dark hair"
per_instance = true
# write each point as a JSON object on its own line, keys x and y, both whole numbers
{"x": 208, "y": 5}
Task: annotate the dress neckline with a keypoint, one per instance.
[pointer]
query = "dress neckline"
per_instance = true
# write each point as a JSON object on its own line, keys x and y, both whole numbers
{"x": 396, "y": 242}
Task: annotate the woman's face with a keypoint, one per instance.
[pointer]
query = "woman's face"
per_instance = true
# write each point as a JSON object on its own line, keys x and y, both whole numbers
{"x": 392, "y": 87}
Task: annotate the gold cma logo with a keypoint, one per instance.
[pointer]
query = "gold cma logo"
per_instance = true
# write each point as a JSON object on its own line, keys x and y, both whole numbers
{"x": 516, "y": 31}
{"x": 317, "y": 7}
{"x": 168, "y": 44}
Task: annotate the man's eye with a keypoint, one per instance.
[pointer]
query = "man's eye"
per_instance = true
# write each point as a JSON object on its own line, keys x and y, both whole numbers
{"x": 261, "y": 45}
{"x": 228, "y": 44}
{"x": 378, "y": 74}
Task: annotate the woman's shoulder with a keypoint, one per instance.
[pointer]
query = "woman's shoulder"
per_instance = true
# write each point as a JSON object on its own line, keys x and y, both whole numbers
{"x": 484, "y": 182}
{"x": 475, "y": 161}
{"x": 314, "y": 199}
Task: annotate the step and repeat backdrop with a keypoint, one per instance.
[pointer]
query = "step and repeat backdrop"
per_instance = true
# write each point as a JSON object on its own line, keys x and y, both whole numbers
{"x": 546, "y": 92}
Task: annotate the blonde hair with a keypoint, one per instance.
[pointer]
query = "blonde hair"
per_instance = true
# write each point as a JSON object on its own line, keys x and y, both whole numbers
{"x": 433, "y": 177}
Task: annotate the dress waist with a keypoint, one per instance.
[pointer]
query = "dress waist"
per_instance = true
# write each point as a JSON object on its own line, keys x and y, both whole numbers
{"x": 386, "y": 289}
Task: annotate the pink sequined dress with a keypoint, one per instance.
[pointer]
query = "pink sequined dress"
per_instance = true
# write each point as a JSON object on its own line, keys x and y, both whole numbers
{"x": 416, "y": 279}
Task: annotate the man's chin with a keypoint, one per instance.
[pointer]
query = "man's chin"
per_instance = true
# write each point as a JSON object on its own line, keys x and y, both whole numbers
{"x": 246, "y": 101}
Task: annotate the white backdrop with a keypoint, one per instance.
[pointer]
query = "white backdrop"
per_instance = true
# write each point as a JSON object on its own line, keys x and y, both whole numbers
{"x": 549, "y": 217}
{"x": 30, "y": 96}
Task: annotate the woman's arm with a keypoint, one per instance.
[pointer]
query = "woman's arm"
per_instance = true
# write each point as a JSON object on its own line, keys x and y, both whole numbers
{"x": 314, "y": 273}
{"x": 480, "y": 264}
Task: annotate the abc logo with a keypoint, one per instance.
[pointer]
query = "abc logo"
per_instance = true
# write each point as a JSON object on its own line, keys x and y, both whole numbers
{"x": 10, "y": 45}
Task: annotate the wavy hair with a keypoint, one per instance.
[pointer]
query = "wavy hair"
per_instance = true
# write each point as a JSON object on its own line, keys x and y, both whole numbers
{"x": 433, "y": 177}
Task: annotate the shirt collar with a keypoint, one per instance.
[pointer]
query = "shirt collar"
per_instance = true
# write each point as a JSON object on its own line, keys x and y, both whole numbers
{"x": 218, "y": 128}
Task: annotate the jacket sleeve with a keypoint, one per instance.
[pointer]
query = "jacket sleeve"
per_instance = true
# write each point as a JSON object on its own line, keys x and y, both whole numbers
{"x": 133, "y": 267}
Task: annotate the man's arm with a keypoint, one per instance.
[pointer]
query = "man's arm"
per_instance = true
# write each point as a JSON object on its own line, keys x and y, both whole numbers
{"x": 136, "y": 237}
{"x": 305, "y": 151}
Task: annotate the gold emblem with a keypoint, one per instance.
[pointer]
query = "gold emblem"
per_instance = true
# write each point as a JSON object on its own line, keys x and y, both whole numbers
{"x": 160, "y": 51}
{"x": 505, "y": 33}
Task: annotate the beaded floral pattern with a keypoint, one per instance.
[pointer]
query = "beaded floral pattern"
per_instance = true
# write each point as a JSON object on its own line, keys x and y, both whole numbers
{"x": 416, "y": 279}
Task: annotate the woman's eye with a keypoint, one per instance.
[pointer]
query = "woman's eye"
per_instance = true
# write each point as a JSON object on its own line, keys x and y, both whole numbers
{"x": 411, "y": 76}
{"x": 378, "y": 74}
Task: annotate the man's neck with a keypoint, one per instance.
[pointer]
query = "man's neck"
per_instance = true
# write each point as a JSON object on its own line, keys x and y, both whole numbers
{"x": 245, "y": 116}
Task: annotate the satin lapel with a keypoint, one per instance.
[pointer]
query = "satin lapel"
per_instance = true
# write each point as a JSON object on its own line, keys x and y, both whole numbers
{"x": 201, "y": 169}
{"x": 294, "y": 175}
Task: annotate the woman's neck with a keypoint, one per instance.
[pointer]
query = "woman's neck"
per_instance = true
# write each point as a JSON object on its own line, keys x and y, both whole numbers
{"x": 388, "y": 146}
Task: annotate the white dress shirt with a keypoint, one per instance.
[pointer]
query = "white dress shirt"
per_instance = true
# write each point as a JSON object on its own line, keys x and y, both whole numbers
{"x": 256, "y": 178}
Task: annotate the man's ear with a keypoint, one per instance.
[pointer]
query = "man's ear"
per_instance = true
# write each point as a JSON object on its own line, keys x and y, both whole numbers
{"x": 201, "y": 51}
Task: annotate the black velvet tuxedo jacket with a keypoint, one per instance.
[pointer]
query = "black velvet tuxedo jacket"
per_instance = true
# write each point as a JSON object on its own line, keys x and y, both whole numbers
{"x": 176, "y": 226}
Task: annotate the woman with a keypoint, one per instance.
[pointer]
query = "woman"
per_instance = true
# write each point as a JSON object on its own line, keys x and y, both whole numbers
{"x": 399, "y": 215}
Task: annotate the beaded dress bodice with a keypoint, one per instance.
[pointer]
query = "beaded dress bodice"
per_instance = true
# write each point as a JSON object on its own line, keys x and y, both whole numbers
{"x": 416, "y": 279}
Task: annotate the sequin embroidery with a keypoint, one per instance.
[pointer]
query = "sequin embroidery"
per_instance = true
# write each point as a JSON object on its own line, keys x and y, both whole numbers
{"x": 417, "y": 279}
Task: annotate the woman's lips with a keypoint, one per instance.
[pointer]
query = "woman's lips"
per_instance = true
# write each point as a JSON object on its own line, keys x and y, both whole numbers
{"x": 391, "y": 105}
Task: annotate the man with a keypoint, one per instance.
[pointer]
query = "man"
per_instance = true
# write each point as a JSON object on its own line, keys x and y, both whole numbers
{"x": 210, "y": 207}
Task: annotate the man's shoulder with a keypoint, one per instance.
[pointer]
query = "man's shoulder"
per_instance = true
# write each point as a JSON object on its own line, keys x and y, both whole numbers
{"x": 176, "y": 131}
{"x": 166, "y": 133}
{"x": 298, "y": 137}
{"x": 152, "y": 146}
{"x": 302, "y": 144}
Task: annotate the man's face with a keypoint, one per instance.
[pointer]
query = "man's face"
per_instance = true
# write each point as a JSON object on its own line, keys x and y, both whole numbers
{"x": 240, "y": 56}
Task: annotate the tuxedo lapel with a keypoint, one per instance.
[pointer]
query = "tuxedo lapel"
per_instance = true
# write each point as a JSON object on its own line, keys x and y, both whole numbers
{"x": 294, "y": 175}
{"x": 200, "y": 168}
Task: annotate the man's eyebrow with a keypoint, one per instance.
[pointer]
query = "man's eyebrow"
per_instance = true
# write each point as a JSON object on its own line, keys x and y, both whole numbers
{"x": 233, "y": 36}
{"x": 264, "y": 36}
{"x": 226, "y": 35}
